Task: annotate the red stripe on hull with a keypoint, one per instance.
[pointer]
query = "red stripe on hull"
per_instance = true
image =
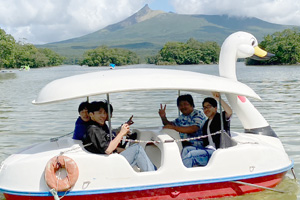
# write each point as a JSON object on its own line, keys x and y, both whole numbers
{"x": 202, "y": 191}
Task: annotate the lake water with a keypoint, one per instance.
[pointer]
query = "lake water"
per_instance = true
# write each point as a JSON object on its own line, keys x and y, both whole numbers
{"x": 23, "y": 124}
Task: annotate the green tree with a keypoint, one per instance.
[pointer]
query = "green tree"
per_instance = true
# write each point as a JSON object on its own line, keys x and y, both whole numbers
{"x": 7, "y": 46}
{"x": 103, "y": 56}
{"x": 173, "y": 52}
{"x": 25, "y": 55}
{"x": 191, "y": 52}
{"x": 14, "y": 55}
{"x": 54, "y": 59}
{"x": 210, "y": 52}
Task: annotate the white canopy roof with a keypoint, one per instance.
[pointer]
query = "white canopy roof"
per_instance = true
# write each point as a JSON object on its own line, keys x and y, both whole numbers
{"x": 124, "y": 80}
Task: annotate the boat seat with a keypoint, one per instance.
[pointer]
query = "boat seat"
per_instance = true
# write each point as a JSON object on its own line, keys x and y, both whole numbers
{"x": 175, "y": 135}
{"x": 154, "y": 153}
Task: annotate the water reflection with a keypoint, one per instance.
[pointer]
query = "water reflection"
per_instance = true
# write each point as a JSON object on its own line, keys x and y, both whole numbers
{"x": 5, "y": 75}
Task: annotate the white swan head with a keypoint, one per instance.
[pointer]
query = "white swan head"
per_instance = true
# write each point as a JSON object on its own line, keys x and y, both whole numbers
{"x": 238, "y": 45}
{"x": 243, "y": 45}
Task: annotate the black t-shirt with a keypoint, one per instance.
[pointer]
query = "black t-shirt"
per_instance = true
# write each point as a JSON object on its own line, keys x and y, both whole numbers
{"x": 215, "y": 126}
{"x": 99, "y": 137}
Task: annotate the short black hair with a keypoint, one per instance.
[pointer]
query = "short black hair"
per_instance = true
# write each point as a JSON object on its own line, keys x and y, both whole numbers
{"x": 96, "y": 105}
{"x": 211, "y": 101}
{"x": 186, "y": 97}
{"x": 83, "y": 105}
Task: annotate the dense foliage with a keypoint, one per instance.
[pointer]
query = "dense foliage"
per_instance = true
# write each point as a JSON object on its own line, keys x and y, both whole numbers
{"x": 15, "y": 54}
{"x": 191, "y": 52}
{"x": 285, "y": 45}
{"x": 103, "y": 56}
{"x": 7, "y": 43}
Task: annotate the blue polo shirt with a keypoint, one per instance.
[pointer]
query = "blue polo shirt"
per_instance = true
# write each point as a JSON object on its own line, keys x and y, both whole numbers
{"x": 197, "y": 118}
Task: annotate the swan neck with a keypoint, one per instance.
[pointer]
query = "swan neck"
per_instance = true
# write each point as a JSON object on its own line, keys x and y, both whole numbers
{"x": 227, "y": 63}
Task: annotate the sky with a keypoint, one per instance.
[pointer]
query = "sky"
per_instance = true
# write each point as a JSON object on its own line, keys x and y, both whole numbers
{"x": 45, "y": 21}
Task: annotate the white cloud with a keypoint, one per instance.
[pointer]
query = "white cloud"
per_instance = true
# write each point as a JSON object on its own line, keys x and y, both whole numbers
{"x": 54, "y": 20}
{"x": 44, "y": 21}
{"x": 275, "y": 11}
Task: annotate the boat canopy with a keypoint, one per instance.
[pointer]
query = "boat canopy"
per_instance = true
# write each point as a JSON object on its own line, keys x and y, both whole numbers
{"x": 142, "y": 79}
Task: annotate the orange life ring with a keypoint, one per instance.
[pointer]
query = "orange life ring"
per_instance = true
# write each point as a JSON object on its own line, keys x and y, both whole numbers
{"x": 56, "y": 163}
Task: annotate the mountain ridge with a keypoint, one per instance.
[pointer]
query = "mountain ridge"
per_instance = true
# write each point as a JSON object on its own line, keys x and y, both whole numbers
{"x": 146, "y": 31}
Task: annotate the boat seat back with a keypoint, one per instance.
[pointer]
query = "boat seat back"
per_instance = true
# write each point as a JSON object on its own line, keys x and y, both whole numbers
{"x": 154, "y": 153}
{"x": 175, "y": 135}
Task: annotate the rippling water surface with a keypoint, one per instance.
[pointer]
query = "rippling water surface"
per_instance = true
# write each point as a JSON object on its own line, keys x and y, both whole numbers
{"x": 23, "y": 124}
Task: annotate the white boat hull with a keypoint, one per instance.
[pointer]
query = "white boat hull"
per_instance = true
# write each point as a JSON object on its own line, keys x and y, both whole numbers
{"x": 103, "y": 176}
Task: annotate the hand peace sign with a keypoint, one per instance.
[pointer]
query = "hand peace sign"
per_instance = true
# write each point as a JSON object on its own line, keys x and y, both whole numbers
{"x": 162, "y": 111}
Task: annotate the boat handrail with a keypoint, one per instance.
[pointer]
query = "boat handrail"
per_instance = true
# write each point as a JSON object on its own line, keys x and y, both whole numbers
{"x": 57, "y": 138}
{"x": 174, "y": 140}
{"x": 147, "y": 141}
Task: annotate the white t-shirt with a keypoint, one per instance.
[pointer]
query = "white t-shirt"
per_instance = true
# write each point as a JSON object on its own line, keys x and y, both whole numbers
{"x": 211, "y": 144}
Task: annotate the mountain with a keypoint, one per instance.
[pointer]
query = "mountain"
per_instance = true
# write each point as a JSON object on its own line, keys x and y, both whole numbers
{"x": 148, "y": 30}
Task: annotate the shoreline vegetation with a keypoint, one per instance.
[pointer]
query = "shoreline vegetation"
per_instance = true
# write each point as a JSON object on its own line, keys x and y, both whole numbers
{"x": 285, "y": 45}
{"x": 17, "y": 54}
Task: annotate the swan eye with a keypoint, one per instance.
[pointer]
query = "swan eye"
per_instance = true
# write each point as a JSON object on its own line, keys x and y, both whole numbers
{"x": 253, "y": 42}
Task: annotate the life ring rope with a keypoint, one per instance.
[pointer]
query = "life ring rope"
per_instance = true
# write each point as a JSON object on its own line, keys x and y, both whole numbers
{"x": 59, "y": 166}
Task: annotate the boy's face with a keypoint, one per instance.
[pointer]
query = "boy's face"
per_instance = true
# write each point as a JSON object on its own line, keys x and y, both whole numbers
{"x": 99, "y": 116}
{"x": 84, "y": 115}
{"x": 185, "y": 107}
{"x": 209, "y": 110}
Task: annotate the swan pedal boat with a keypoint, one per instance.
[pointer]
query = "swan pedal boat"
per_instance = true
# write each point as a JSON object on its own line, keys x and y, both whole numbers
{"x": 256, "y": 160}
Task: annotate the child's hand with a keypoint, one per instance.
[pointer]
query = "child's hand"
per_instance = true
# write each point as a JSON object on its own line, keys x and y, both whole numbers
{"x": 125, "y": 129}
{"x": 216, "y": 95}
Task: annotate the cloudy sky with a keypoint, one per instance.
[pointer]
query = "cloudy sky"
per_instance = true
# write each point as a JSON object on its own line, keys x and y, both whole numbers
{"x": 44, "y": 21}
